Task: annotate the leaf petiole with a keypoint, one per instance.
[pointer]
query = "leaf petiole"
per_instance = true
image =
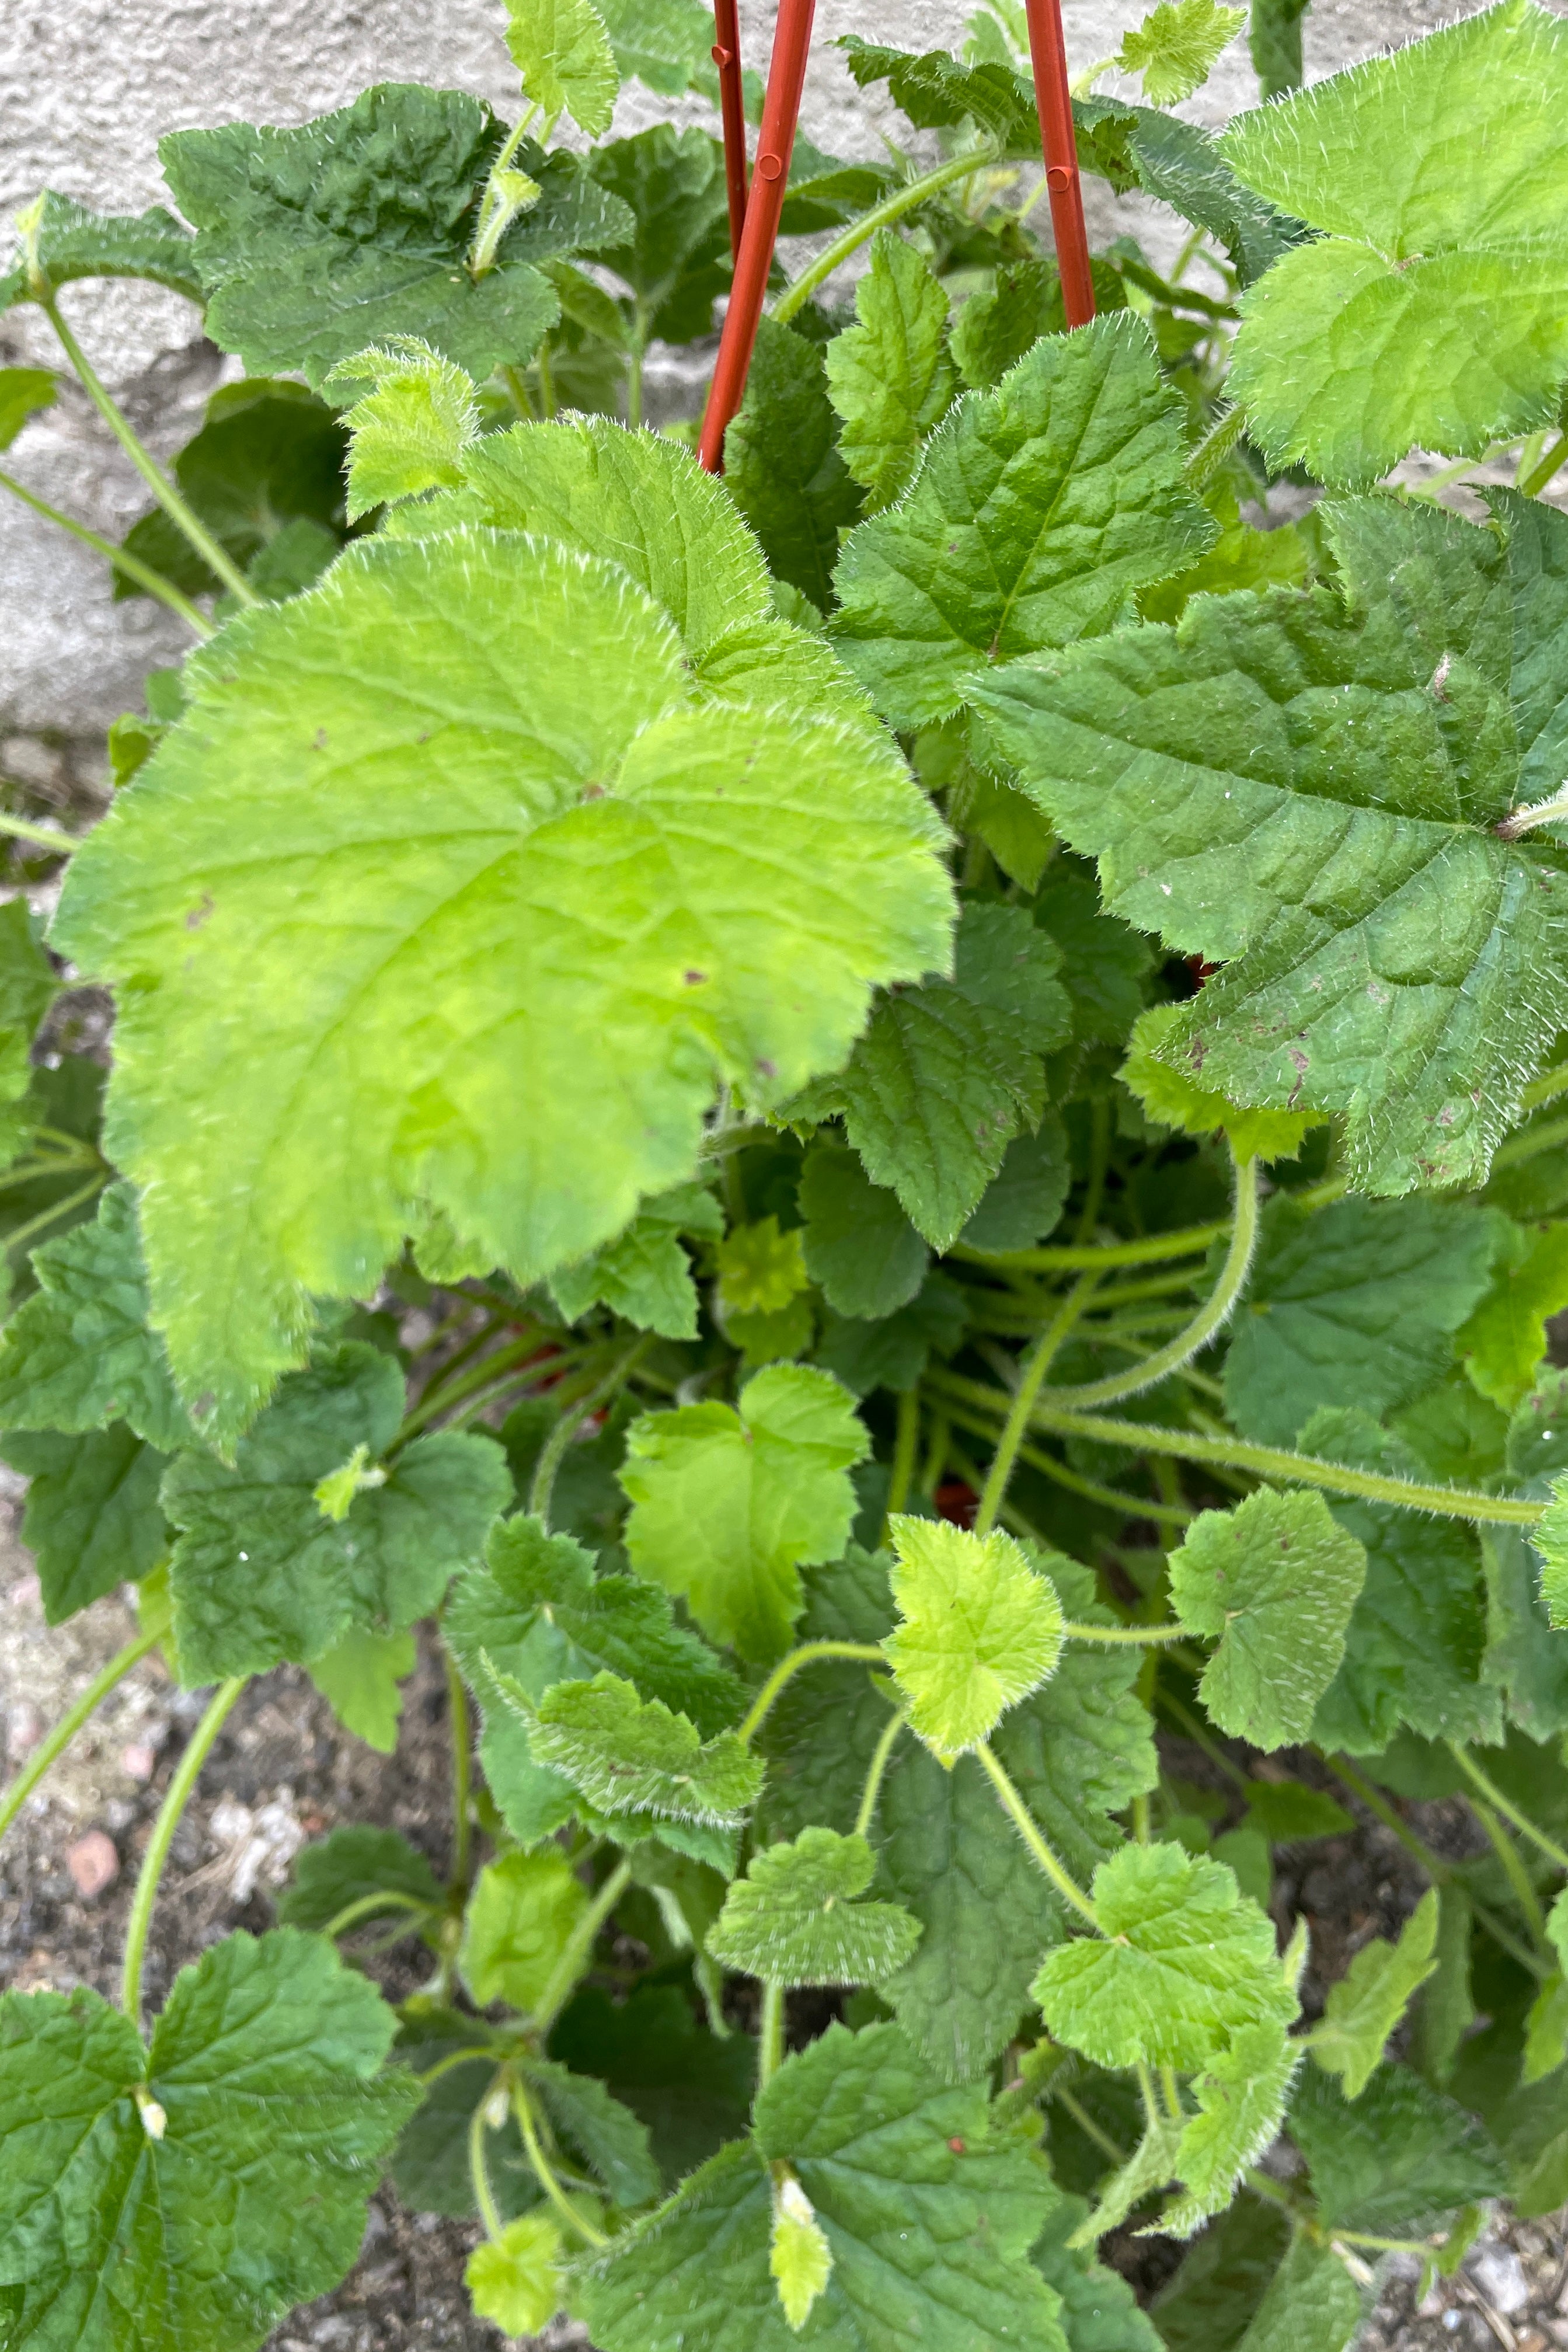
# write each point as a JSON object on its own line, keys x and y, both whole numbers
{"x": 131, "y": 565}
{"x": 55, "y": 1742}
{"x": 574, "y": 1955}
{"x": 522, "y": 2109}
{"x": 881, "y": 215}
{"x": 1504, "y": 1805}
{"x": 552, "y": 1452}
{"x": 1029, "y": 1387}
{"x": 876, "y": 1771}
{"x": 366, "y": 1907}
{"x": 1015, "y": 1806}
{"x": 175, "y": 1802}
{"x": 809, "y": 1652}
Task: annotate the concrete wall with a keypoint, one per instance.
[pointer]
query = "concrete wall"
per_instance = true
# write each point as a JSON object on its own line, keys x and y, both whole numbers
{"x": 87, "y": 87}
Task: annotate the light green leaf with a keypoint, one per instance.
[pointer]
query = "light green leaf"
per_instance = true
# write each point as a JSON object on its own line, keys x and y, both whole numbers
{"x": 1183, "y": 1964}
{"x": 1150, "y": 2167}
{"x": 1400, "y": 2159}
{"x": 1311, "y": 2304}
{"x": 1177, "y": 47}
{"x": 857, "y": 2118}
{"x": 611, "y": 2140}
{"x": 1241, "y": 2096}
{"x": 1275, "y": 1582}
{"x": 409, "y": 432}
{"x": 261, "y": 1573}
{"x": 1240, "y": 560}
{"x": 92, "y": 1519}
{"x": 1173, "y": 1098}
{"x": 799, "y": 2256}
{"x": 1371, "y": 1998}
{"x": 24, "y": 392}
{"x": 761, "y": 1270}
{"x": 202, "y": 2186}
{"x": 562, "y": 51}
{"x": 978, "y": 1630}
{"x": 889, "y": 376}
{"x": 350, "y": 1863}
{"x": 515, "y": 2278}
{"x": 858, "y": 1242}
{"x": 631, "y": 1756}
{"x": 728, "y": 1502}
{"x": 1305, "y": 791}
{"x": 1557, "y": 1925}
{"x": 1504, "y": 1339}
{"x": 948, "y": 1074}
{"x": 784, "y": 466}
{"x": 359, "y": 1678}
{"x": 520, "y": 1920}
{"x": 1447, "y": 286}
{"x": 796, "y": 1919}
{"x": 644, "y": 1275}
{"x": 1038, "y": 509}
{"x": 72, "y": 241}
{"x": 1546, "y": 2031}
{"x": 776, "y": 664}
{"x": 557, "y": 976}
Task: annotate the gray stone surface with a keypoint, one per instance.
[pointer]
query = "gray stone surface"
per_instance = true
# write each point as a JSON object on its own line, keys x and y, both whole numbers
{"x": 86, "y": 88}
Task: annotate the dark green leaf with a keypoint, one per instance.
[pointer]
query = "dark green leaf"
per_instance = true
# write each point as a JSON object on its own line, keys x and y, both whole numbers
{"x": 674, "y": 253}
{"x": 611, "y": 2141}
{"x": 783, "y": 465}
{"x": 351, "y": 1862}
{"x": 1400, "y": 2158}
{"x": 692, "y": 2090}
{"x": 859, "y": 1247}
{"x": 74, "y": 241}
{"x": 893, "y": 1353}
{"x": 93, "y": 1518}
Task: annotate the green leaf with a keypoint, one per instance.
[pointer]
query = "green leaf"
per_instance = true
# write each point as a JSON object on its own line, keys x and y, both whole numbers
{"x": 1546, "y": 2031}
{"x": 631, "y": 1756}
{"x": 761, "y": 1269}
{"x": 515, "y": 2278}
{"x": 521, "y": 1918}
{"x": 1208, "y": 2303}
{"x": 857, "y": 2117}
{"x": 1152, "y": 2164}
{"x": 1521, "y": 1658}
{"x": 1274, "y": 37}
{"x": 996, "y": 327}
{"x": 1447, "y": 286}
{"x": 799, "y": 2257}
{"x": 561, "y": 50}
{"x": 777, "y": 665}
{"x": 894, "y": 1351}
{"x": 1037, "y": 511}
{"x": 1311, "y": 2304}
{"x": 349, "y": 1863}
{"x": 796, "y": 1919}
{"x": 1241, "y": 2095}
{"x": 409, "y": 431}
{"x": 948, "y": 1074}
{"x": 674, "y": 253}
{"x": 1398, "y": 2161}
{"x": 260, "y": 1573}
{"x": 92, "y": 1519}
{"x": 1288, "y": 1810}
{"x": 644, "y": 1275}
{"x": 978, "y": 1630}
{"x": 858, "y": 1244}
{"x": 72, "y": 241}
{"x": 619, "y": 919}
{"x": 1275, "y": 1582}
{"x": 889, "y": 376}
{"x": 1182, "y": 166}
{"x": 1173, "y": 1098}
{"x": 80, "y": 1352}
{"x": 1383, "y": 721}
{"x": 1447, "y": 2010}
{"x": 24, "y": 392}
{"x": 693, "y": 2091}
{"x": 1100, "y": 2312}
{"x": 205, "y": 2184}
{"x": 1025, "y": 1199}
{"x": 1188, "y": 1965}
{"x": 784, "y": 466}
{"x": 1177, "y": 47}
{"x": 27, "y": 989}
{"x": 1241, "y": 559}
{"x": 1504, "y": 1339}
{"x": 935, "y": 91}
{"x": 1415, "y": 1651}
{"x": 361, "y": 1677}
{"x": 664, "y": 43}
{"x": 1366, "y": 2004}
{"x": 728, "y": 1502}
{"x": 430, "y": 2167}
{"x": 611, "y": 2140}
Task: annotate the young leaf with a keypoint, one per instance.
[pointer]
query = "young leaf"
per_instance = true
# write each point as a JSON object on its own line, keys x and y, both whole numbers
{"x": 23, "y": 393}
{"x": 1311, "y": 2304}
{"x": 761, "y": 1269}
{"x": 521, "y": 1918}
{"x": 664, "y": 43}
{"x": 562, "y": 1080}
{"x": 1183, "y": 1965}
{"x": 784, "y": 466}
{"x": 1371, "y": 1998}
{"x": 1036, "y": 511}
{"x": 409, "y": 432}
{"x": 261, "y": 1572}
{"x": 795, "y": 1918}
{"x": 1504, "y": 1339}
{"x": 1173, "y": 1097}
{"x": 1447, "y": 286}
{"x": 350, "y": 1863}
{"x": 92, "y": 1519}
{"x": 799, "y": 2256}
{"x": 1401, "y": 2159}
{"x": 936, "y": 92}
{"x": 561, "y": 50}
{"x": 1320, "y": 726}
{"x": 644, "y": 1275}
{"x": 361, "y": 1677}
{"x": 1275, "y": 1582}
{"x": 611, "y": 2140}
{"x": 728, "y": 1502}
{"x": 889, "y": 376}
{"x": 978, "y": 1630}
{"x": 856, "y": 2117}
{"x": 858, "y": 1244}
{"x": 947, "y": 1074}
{"x": 631, "y": 1756}
{"x": 515, "y": 2278}
{"x": 72, "y": 241}
{"x": 1177, "y": 47}
{"x": 1182, "y": 166}
{"x": 209, "y": 2181}
{"x": 1241, "y": 2096}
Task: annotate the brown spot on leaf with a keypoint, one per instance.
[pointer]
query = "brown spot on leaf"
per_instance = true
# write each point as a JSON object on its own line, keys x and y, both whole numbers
{"x": 198, "y": 915}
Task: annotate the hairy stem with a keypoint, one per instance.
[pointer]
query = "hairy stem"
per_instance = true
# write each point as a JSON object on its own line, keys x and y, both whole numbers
{"x": 1132, "y": 1507}
{"x": 479, "y": 2172}
{"x": 1216, "y": 446}
{"x": 1123, "y": 1633}
{"x": 1015, "y": 1806}
{"x": 578, "y": 1947}
{"x": 1149, "y": 1249}
{"x": 769, "y": 2039}
{"x": 197, "y": 1749}
{"x": 1535, "y": 482}
{"x": 906, "y": 1445}
{"x": 881, "y": 215}
{"x": 1437, "y": 1870}
{"x": 460, "y": 1725}
{"x": 807, "y": 1654}
{"x": 24, "y": 1233}
{"x": 1029, "y": 1387}
{"x": 366, "y": 1907}
{"x": 1513, "y": 1870}
{"x": 881, "y": 1757}
{"x": 55, "y": 1742}
{"x": 1099, "y": 1163}
{"x": 132, "y": 565}
{"x": 522, "y": 2107}
{"x": 1504, "y": 1805}
{"x": 552, "y": 1452}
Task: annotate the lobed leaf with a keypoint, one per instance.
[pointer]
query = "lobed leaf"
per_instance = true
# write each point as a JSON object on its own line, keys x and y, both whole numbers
{"x": 561, "y": 50}
{"x": 1363, "y": 2008}
{"x": 889, "y": 376}
{"x": 795, "y": 1918}
{"x": 72, "y": 241}
{"x": 515, "y": 2278}
{"x": 1241, "y": 2095}
{"x": 631, "y": 1756}
{"x": 92, "y": 1519}
{"x": 1177, "y": 47}
{"x": 521, "y": 1915}
{"x": 978, "y": 1630}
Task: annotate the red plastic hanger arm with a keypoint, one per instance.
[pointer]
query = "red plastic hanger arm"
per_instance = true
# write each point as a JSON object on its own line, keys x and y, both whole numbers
{"x": 732, "y": 113}
{"x": 1054, "y": 99}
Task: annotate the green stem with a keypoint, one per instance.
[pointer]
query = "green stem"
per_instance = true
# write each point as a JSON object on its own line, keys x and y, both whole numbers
{"x": 180, "y": 514}
{"x": 55, "y": 1743}
{"x": 1437, "y": 1870}
{"x": 1270, "y": 2191}
{"x": 132, "y": 565}
{"x": 1216, "y": 446}
{"x": 1536, "y": 480}
{"x": 43, "y": 837}
{"x": 523, "y": 2108}
{"x": 1013, "y": 1805}
{"x": 935, "y": 1461}
{"x": 462, "y": 1735}
{"x": 881, "y": 1755}
{"x": 1173, "y": 2097}
{"x": 552, "y": 1452}
{"x": 1214, "y": 1311}
{"x": 1542, "y": 1089}
{"x": 1089, "y": 2128}
{"x": 1531, "y": 1144}
{"x": 365, "y": 1907}
{"x": 1022, "y": 1406}
{"x": 1149, "y": 1249}
{"x": 578, "y": 1948}
{"x": 442, "y": 1394}
{"x": 478, "y": 2172}
{"x": 61, "y": 1209}
{"x": 892, "y": 208}
{"x": 906, "y": 1445}
{"x": 197, "y": 1749}
{"x": 1193, "y": 1730}
{"x": 454, "y": 2058}
{"x": 1513, "y": 1870}
{"x": 1509, "y": 1812}
{"x": 1098, "y": 1164}
{"x": 1123, "y": 1633}
{"x": 769, "y": 2039}
{"x": 807, "y": 1654}
{"x": 1385, "y": 2245}
{"x": 1132, "y": 1507}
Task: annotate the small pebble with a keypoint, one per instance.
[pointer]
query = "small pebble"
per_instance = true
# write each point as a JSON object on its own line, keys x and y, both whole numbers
{"x": 24, "y": 1729}
{"x": 93, "y": 1863}
{"x": 138, "y": 1761}
{"x": 1499, "y": 2274}
{"x": 25, "y": 1593}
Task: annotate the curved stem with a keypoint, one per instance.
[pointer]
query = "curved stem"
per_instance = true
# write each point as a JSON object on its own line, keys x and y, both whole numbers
{"x": 55, "y": 1743}
{"x": 132, "y": 565}
{"x": 478, "y": 2172}
{"x": 366, "y": 1907}
{"x": 1437, "y": 1870}
{"x": 522, "y": 2109}
{"x": 1014, "y": 1804}
{"x": 1529, "y": 1144}
{"x": 1535, "y": 482}
{"x": 1509, "y": 1812}
{"x": 809, "y": 1652}
{"x": 769, "y": 2039}
{"x": 216, "y": 559}
{"x": 61, "y": 1208}
{"x": 1216, "y": 446}
{"x": 1149, "y": 1249}
{"x": 1123, "y": 1633}
{"x": 1513, "y": 1870}
{"x": 1214, "y": 1311}
{"x": 1028, "y": 1389}
{"x": 45, "y": 837}
{"x": 578, "y": 1945}
{"x": 876, "y": 1771}
{"x": 1131, "y": 1507}
{"x": 892, "y": 208}
{"x": 906, "y": 1445}
{"x": 462, "y": 1734}
{"x": 552, "y": 1452}
{"x": 175, "y": 1802}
